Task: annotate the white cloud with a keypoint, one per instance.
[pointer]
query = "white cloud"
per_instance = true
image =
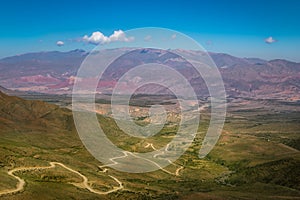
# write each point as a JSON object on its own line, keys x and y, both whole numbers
{"x": 270, "y": 40}
{"x": 99, "y": 38}
{"x": 173, "y": 36}
{"x": 95, "y": 38}
{"x": 60, "y": 43}
{"x": 120, "y": 36}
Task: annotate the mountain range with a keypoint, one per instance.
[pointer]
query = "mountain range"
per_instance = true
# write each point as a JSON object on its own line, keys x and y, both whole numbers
{"x": 54, "y": 73}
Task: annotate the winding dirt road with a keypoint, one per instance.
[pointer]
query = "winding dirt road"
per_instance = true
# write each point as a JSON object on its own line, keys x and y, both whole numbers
{"x": 21, "y": 183}
{"x": 126, "y": 153}
{"x": 85, "y": 183}
{"x": 177, "y": 170}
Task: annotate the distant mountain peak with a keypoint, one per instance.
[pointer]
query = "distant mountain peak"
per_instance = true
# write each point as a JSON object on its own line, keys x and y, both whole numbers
{"x": 78, "y": 50}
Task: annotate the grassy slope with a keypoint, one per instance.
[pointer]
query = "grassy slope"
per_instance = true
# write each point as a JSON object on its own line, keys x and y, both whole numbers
{"x": 250, "y": 146}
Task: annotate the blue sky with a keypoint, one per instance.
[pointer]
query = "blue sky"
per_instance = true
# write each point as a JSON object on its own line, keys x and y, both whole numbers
{"x": 237, "y": 27}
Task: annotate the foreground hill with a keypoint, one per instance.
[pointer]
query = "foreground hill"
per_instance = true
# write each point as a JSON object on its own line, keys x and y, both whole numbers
{"x": 256, "y": 157}
{"x": 20, "y": 114}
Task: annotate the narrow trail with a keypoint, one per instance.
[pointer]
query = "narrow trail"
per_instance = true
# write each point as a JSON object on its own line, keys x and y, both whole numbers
{"x": 150, "y": 145}
{"x": 132, "y": 154}
{"x": 21, "y": 182}
{"x": 125, "y": 155}
{"x": 84, "y": 184}
{"x": 113, "y": 161}
{"x": 177, "y": 170}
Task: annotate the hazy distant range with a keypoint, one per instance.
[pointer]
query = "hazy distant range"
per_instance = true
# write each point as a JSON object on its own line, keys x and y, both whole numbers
{"x": 53, "y": 72}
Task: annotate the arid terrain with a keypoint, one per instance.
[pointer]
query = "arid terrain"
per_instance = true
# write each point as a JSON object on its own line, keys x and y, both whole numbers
{"x": 257, "y": 155}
